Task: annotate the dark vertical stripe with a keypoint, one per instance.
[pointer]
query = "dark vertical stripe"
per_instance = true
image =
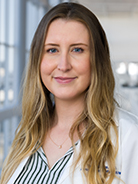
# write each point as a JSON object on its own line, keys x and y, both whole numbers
{"x": 27, "y": 172}
{"x": 36, "y": 169}
{"x": 40, "y": 168}
{"x": 23, "y": 171}
{"x": 62, "y": 168}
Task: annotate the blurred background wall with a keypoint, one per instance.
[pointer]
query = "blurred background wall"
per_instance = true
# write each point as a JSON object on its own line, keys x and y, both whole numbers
{"x": 18, "y": 22}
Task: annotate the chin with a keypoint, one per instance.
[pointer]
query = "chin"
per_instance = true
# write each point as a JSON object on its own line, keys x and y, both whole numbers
{"x": 69, "y": 97}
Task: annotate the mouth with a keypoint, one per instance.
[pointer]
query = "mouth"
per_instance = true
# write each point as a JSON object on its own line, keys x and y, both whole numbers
{"x": 64, "y": 80}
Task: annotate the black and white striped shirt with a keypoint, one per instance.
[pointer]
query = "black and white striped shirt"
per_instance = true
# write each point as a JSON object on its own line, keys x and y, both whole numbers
{"x": 36, "y": 170}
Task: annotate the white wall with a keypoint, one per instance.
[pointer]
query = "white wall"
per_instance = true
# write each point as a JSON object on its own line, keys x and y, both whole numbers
{"x": 122, "y": 33}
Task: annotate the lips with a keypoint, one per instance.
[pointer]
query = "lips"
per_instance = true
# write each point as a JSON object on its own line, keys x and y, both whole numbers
{"x": 64, "y": 80}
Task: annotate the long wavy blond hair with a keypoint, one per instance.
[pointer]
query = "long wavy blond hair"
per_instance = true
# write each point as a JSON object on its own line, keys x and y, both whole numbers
{"x": 37, "y": 106}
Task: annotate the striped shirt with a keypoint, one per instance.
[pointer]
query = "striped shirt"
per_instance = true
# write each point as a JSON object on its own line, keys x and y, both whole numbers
{"x": 36, "y": 170}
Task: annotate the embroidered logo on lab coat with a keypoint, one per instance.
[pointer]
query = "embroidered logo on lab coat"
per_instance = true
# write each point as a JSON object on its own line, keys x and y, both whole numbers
{"x": 107, "y": 170}
{"x": 116, "y": 172}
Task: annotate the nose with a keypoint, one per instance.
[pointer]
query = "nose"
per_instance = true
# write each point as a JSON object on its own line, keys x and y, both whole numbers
{"x": 64, "y": 63}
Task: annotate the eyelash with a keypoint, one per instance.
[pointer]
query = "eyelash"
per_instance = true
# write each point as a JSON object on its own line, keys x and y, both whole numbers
{"x": 54, "y": 50}
{"x": 78, "y": 48}
{"x": 49, "y": 50}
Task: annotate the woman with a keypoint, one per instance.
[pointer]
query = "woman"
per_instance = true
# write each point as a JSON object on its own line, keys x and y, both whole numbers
{"x": 71, "y": 130}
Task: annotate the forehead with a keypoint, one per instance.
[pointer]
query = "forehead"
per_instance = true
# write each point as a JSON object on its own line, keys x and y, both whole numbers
{"x": 68, "y": 29}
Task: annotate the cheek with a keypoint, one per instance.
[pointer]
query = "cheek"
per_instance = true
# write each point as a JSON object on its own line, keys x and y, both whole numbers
{"x": 85, "y": 67}
{"x": 45, "y": 68}
{"x": 86, "y": 72}
{"x": 45, "y": 73}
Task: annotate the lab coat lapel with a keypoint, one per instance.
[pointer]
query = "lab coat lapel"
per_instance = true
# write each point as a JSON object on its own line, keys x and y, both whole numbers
{"x": 17, "y": 171}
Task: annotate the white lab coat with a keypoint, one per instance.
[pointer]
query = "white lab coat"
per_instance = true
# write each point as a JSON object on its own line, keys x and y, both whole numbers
{"x": 127, "y": 159}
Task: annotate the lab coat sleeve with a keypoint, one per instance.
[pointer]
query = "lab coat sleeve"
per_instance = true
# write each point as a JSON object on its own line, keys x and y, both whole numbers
{"x": 130, "y": 151}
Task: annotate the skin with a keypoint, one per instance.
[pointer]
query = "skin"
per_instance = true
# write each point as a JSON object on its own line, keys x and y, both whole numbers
{"x": 65, "y": 67}
{"x": 65, "y": 71}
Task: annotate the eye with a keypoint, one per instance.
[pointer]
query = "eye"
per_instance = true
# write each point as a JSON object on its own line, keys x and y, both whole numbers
{"x": 78, "y": 50}
{"x": 53, "y": 50}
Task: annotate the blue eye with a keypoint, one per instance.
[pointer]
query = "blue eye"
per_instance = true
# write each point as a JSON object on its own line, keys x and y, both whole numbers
{"x": 78, "y": 50}
{"x": 52, "y": 50}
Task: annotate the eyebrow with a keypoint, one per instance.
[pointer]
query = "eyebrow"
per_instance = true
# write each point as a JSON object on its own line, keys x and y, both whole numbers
{"x": 51, "y": 44}
{"x": 57, "y": 45}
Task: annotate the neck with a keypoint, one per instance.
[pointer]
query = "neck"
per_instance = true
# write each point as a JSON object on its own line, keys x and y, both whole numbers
{"x": 66, "y": 112}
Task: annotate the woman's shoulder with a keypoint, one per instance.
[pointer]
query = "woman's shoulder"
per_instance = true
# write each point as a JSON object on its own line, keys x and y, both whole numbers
{"x": 127, "y": 122}
{"x": 127, "y": 159}
{"x": 124, "y": 117}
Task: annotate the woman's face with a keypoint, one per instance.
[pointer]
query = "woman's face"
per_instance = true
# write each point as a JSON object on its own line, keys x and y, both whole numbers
{"x": 65, "y": 66}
